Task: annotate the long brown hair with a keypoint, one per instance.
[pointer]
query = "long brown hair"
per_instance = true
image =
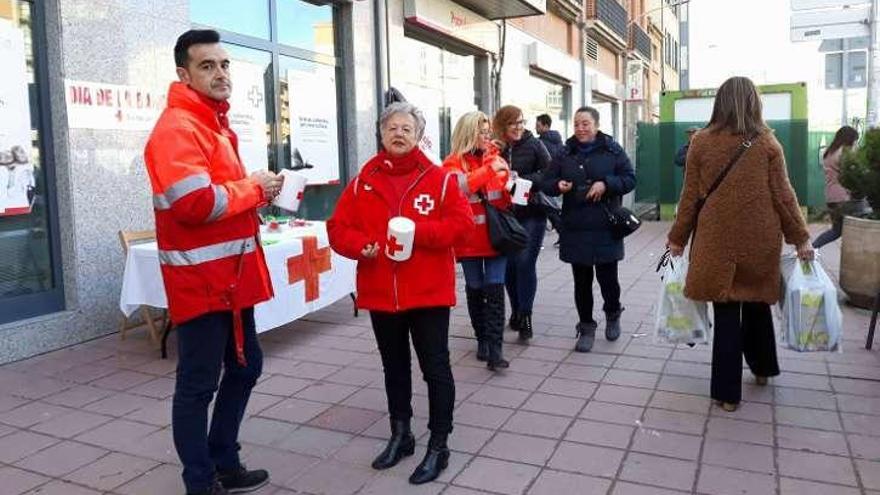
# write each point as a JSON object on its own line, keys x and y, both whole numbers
{"x": 504, "y": 117}
{"x": 738, "y": 108}
{"x": 846, "y": 136}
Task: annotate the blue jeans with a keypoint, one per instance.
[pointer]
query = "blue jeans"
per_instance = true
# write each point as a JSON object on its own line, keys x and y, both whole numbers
{"x": 480, "y": 272}
{"x": 522, "y": 275}
{"x": 205, "y": 346}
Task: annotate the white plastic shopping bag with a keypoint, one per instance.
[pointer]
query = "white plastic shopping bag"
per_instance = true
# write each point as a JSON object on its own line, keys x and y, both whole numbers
{"x": 811, "y": 317}
{"x": 679, "y": 320}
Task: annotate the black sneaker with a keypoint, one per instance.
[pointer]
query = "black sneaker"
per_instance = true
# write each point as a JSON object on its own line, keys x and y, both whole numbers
{"x": 241, "y": 480}
{"x": 216, "y": 489}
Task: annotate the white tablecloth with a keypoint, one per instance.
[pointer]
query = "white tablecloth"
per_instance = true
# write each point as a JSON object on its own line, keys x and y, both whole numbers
{"x": 142, "y": 281}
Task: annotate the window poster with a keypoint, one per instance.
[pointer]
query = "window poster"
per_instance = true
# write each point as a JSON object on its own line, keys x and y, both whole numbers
{"x": 247, "y": 114}
{"x": 314, "y": 145}
{"x": 16, "y": 169}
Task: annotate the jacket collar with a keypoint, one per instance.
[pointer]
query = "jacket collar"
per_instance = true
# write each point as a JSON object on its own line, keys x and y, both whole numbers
{"x": 603, "y": 141}
{"x": 375, "y": 170}
{"x": 208, "y": 111}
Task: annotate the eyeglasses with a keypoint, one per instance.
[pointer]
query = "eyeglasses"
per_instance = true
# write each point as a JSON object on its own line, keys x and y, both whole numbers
{"x": 518, "y": 123}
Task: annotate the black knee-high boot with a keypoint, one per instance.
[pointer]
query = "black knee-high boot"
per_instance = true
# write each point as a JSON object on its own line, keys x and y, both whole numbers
{"x": 476, "y": 303}
{"x": 495, "y": 326}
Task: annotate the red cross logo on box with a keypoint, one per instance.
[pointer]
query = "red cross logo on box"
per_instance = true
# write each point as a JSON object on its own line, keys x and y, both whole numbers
{"x": 308, "y": 267}
{"x": 393, "y": 246}
{"x": 424, "y": 203}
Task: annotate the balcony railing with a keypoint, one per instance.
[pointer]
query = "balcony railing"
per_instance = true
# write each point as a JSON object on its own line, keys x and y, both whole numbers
{"x": 640, "y": 42}
{"x": 608, "y": 19}
{"x": 567, "y": 9}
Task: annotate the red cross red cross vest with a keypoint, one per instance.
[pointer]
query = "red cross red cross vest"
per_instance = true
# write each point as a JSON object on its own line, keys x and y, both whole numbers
{"x": 442, "y": 216}
{"x": 205, "y": 206}
{"x": 477, "y": 177}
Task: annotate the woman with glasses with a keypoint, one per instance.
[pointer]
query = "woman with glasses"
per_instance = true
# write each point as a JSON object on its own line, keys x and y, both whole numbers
{"x": 483, "y": 175}
{"x": 528, "y": 157}
{"x": 408, "y": 300}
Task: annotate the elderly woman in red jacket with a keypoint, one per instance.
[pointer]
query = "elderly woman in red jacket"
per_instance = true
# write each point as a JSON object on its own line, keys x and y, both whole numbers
{"x": 483, "y": 174}
{"x": 409, "y": 297}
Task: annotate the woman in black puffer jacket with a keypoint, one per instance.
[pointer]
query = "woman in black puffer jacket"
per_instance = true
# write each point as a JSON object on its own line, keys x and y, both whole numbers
{"x": 529, "y": 158}
{"x": 592, "y": 172}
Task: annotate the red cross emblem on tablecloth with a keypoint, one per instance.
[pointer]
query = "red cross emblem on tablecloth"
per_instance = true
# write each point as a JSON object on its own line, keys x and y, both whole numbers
{"x": 308, "y": 266}
{"x": 393, "y": 246}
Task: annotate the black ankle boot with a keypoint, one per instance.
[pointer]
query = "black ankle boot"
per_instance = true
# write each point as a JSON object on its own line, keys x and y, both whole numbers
{"x": 525, "y": 327}
{"x": 612, "y": 325}
{"x": 241, "y": 480}
{"x": 401, "y": 444}
{"x": 435, "y": 461}
{"x": 482, "y": 350}
{"x": 514, "y": 320}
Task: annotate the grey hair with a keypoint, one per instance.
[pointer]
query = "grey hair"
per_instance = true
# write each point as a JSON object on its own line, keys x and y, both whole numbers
{"x": 407, "y": 108}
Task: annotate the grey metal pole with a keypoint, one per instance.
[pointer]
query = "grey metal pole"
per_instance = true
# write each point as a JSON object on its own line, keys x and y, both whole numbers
{"x": 873, "y": 68}
{"x": 663, "y": 48}
{"x": 844, "y": 116}
{"x": 380, "y": 39}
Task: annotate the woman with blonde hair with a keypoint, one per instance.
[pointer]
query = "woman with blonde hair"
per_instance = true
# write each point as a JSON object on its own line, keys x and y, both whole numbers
{"x": 736, "y": 208}
{"x": 483, "y": 175}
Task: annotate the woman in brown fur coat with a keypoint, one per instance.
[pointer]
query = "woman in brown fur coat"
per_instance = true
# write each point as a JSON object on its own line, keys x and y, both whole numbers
{"x": 734, "y": 260}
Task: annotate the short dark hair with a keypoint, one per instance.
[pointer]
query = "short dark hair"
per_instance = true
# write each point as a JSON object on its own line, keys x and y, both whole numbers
{"x": 545, "y": 120}
{"x": 190, "y": 38}
{"x": 590, "y": 110}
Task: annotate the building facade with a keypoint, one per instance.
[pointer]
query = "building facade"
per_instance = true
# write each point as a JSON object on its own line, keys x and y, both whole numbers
{"x": 86, "y": 79}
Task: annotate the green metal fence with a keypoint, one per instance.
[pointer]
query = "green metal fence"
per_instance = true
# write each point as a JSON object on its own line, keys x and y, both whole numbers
{"x": 660, "y": 180}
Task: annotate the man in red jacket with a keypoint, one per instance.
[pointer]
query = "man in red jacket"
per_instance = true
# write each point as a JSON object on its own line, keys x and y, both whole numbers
{"x": 212, "y": 264}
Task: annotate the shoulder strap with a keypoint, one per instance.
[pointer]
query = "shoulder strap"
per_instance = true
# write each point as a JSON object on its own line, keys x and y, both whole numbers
{"x": 745, "y": 145}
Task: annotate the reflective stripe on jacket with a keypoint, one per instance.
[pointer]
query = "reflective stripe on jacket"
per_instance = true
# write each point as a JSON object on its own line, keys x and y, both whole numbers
{"x": 478, "y": 178}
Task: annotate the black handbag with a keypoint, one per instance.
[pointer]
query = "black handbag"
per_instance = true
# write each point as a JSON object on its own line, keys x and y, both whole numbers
{"x": 506, "y": 234}
{"x": 621, "y": 221}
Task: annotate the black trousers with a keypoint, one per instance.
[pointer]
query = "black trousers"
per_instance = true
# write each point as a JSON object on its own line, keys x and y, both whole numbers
{"x": 429, "y": 328}
{"x": 583, "y": 289}
{"x": 741, "y": 329}
{"x": 206, "y": 347}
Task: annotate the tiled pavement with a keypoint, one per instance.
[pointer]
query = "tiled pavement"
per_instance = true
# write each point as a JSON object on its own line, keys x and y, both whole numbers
{"x": 629, "y": 418}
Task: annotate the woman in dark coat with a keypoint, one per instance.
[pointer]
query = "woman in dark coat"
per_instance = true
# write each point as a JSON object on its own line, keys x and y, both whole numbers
{"x": 528, "y": 157}
{"x": 593, "y": 172}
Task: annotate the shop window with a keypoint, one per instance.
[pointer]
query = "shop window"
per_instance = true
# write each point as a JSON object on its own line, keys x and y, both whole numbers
{"x": 30, "y": 281}
{"x": 284, "y": 79}
{"x": 306, "y": 26}
{"x": 441, "y": 84}
{"x": 231, "y": 15}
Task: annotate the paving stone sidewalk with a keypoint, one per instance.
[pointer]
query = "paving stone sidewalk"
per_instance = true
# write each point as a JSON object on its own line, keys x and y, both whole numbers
{"x": 629, "y": 418}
